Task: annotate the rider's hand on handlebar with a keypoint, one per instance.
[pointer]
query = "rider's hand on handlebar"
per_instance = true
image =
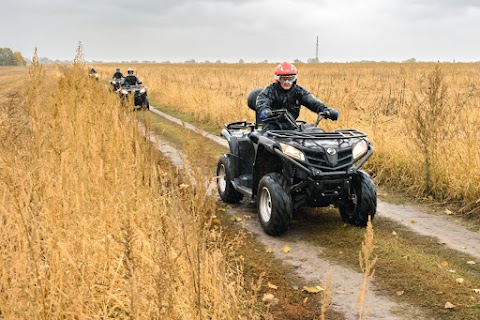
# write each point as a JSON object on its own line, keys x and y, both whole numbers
{"x": 266, "y": 113}
{"x": 331, "y": 114}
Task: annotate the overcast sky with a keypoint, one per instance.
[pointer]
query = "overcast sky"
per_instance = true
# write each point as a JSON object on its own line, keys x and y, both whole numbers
{"x": 253, "y": 30}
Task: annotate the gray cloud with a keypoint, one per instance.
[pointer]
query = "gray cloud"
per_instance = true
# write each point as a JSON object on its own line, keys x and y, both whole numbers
{"x": 178, "y": 30}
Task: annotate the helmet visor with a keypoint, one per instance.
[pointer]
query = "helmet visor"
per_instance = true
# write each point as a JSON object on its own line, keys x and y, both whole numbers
{"x": 286, "y": 79}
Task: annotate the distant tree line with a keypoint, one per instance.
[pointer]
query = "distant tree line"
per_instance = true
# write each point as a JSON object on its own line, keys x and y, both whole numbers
{"x": 10, "y": 58}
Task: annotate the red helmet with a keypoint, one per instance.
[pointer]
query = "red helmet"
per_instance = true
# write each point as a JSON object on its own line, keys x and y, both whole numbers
{"x": 286, "y": 69}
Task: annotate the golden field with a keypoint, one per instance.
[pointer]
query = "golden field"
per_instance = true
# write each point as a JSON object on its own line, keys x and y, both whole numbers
{"x": 422, "y": 118}
{"x": 94, "y": 223}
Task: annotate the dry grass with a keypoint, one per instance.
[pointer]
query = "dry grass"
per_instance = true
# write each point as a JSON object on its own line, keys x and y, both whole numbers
{"x": 94, "y": 224}
{"x": 326, "y": 303}
{"x": 393, "y": 103}
{"x": 367, "y": 265}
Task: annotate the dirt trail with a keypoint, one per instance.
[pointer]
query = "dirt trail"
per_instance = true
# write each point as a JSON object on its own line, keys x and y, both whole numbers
{"x": 453, "y": 235}
{"x": 305, "y": 257}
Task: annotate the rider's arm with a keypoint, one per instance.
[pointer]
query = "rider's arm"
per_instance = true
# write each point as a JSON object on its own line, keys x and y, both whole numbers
{"x": 308, "y": 100}
{"x": 311, "y": 102}
{"x": 264, "y": 99}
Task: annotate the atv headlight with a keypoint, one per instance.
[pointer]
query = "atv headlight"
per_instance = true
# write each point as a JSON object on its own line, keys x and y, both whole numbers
{"x": 360, "y": 149}
{"x": 123, "y": 91}
{"x": 292, "y": 152}
{"x": 143, "y": 90}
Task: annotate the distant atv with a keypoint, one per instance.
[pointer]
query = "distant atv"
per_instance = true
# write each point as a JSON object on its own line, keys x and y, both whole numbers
{"x": 283, "y": 170}
{"x": 136, "y": 93}
{"x": 116, "y": 83}
{"x": 94, "y": 76}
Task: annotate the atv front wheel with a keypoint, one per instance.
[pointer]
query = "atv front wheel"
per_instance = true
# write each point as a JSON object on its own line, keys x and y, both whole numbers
{"x": 364, "y": 204}
{"x": 274, "y": 205}
{"x": 225, "y": 187}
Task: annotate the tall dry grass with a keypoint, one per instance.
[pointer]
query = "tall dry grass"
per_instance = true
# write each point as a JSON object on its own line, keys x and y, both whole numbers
{"x": 94, "y": 225}
{"x": 413, "y": 113}
{"x": 367, "y": 265}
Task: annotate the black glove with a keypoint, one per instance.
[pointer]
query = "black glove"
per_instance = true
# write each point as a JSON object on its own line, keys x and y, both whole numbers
{"x": 332, "y": 114}
{"x": 265, "y": 113}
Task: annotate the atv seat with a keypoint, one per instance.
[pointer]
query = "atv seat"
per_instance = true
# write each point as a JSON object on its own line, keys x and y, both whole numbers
{"x": 252, "y": 103}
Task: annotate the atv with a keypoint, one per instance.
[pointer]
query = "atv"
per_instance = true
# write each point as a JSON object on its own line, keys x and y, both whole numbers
{"x": 138, "y": 93}
{"x": 94, "y": 76}
{"x": 116, "y": 83}
{"x": 284, "y": 170}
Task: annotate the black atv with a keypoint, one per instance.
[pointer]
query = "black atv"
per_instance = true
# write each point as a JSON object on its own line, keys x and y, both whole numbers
{"x": 137, "y": 93}
{"x": 116, "y": 83}
{"x": 284, "y": 170}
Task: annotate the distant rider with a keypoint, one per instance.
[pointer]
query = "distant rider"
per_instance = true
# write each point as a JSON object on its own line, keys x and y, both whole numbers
{"x": 131, "y": 79}
{"x": 92, "y": 71}
{"x": 117, "y": 74}
{"x": 284, "y": 93}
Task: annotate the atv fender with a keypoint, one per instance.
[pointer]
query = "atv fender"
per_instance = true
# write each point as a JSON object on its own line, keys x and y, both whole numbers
{"x": 266, "y": 161}
{"x": 230, "y": 170}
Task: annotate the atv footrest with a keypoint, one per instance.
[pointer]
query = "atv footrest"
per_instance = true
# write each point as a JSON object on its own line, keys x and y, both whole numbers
{"x": 245, "y": 190}
{"x": 245, "y": 180}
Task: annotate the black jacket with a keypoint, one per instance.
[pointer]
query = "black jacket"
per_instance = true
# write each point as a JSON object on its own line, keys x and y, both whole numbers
{"x": 131, "y": 81}
{"x": 275, "y": 97}
{"x": 117, "y": 75}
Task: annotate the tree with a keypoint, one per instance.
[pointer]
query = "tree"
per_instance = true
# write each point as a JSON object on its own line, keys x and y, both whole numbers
{"x": 18, "y": 58}
{"x": 241, "y": 61}
{"x": 6, "y": 57}
{"x": 9, "y": 58}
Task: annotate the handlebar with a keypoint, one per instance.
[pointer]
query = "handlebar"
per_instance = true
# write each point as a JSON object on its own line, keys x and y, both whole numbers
{"x": 278, "y": 114}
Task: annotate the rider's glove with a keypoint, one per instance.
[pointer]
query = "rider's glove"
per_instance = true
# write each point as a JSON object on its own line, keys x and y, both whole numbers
{"x": 332, "y": 114}
{"x": 265, "y": 113}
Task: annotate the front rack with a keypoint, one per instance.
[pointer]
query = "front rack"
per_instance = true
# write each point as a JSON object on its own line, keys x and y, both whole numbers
{"x": 239, "y": 125}
{"x": 336, "y": 134}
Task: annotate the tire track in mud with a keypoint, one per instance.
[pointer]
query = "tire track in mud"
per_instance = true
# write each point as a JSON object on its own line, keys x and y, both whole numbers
{"x": 305, "y": 257}
{"x": 453, "y": 235}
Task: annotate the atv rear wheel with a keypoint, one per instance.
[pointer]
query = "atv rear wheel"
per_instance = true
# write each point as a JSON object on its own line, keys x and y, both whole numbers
{"x": 225, "y": 188}
{"x": 356, "y": 212}
{"x": 146, "y": 104}
{"x": 274, "y": 205}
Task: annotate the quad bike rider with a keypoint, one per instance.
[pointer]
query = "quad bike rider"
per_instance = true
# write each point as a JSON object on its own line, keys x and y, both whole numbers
{"x": 117, "y": 80}
{"x": 284, "y": 164}
{"x": 131, "y": 86}
{"x": 93, "y": 74}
